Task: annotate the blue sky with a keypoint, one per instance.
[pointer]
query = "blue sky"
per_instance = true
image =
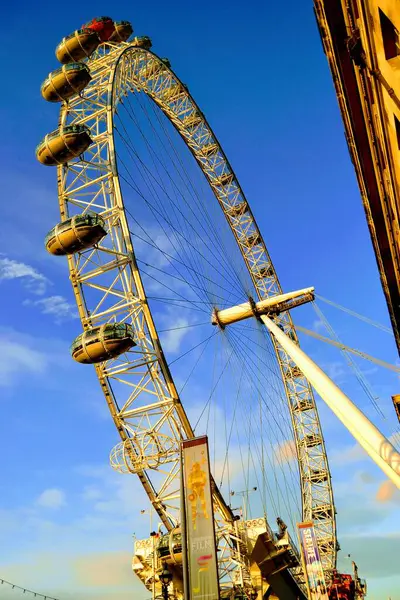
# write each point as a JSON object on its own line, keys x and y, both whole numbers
{"x": 262, "y": 80}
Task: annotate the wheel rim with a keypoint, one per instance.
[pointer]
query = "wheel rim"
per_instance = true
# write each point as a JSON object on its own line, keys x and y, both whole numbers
{"x": 81, "y": 186}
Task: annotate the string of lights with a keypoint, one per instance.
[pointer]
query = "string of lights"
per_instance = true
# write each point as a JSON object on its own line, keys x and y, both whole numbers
{"x": 26, "y": 591}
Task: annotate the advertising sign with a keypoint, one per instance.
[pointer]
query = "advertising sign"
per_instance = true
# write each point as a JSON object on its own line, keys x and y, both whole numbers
{"x": 312, "y": 563}
{"x": 202, "y": 556}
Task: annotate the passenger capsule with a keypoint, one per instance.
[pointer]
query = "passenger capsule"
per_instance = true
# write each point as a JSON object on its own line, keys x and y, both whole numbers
{"x": 75, "y": 234}
{"x": 103, "y": 26}
{"x": 122, "y": 31}
{"x": 61, "y": 145}
{"x": 169, "y": 547}
{"x": 80, "y": 44}
{"x": 102, "y": 343}
{"x": 142, "y": 42}
{"x": 65, "y": 82}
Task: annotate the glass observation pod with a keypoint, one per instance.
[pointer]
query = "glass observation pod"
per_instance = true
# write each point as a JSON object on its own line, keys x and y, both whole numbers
{"x": 80, "y": 44}
{"x": 169, "y": 548}
{"x": 65, "y": 82}
{"x": 61, "y": 145}
{"x": 142, "y": 42}
{"x": 103, "y": 26}
{"x": 122, "y": 31}
{"x": 102, "y": 343}
{"x": 75, "y": 234}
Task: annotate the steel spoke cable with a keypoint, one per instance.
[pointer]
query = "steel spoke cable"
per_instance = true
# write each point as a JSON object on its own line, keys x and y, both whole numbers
{"x": 171, "y": 258}
{"x": 184, "y": 327}
{"x": 191, "y": 349}
{"x": 196, "y": 196}
{"x": 212, "y": 391}
{"x": 158, "y": 211}
{"x": 278, "y": 391}
{"x": 355, "y": 314}
{"x": 277, "y": 442}
{"x": 176, "y": 278}
{"x": 157, "y": 155}
{"x": 360, "y": 377}
{"x": 194, "y": 367}
{"x": 185, "y": 249}
{"x": 126, "y": 142}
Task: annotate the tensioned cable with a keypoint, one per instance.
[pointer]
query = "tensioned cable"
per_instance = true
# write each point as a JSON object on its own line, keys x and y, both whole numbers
{"x": 191, "y": 268}
{"x": 158, "y": 157}
{"x": 361, "y": 379}
{"x": 205, "y": 211}
{"x": 354, "y": 314}
{"x": 240, "y": 357}
{"x": 277, "y": 442}
{"x": 177, "y": 235}
{"x": 132, "y": 150}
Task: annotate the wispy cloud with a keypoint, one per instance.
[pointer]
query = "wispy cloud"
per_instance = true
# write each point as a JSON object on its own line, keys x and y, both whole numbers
{"x": 104, "y": 570}
{"x": 388, "y": 492}
{"x": 11, "y": 269}
{"x": 318, "y": 326}
{"x": 17, "y": 358}
{"x": 51, "y": 498}
{"x": 285, "y": 452}
{"x": 56, "y": 306}
{"x": 171, "y": 340}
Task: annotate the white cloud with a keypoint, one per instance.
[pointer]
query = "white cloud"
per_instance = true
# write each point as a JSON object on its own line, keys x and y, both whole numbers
{"x": 57, "y": 306}
{"x": 34, "y": 281}
{"x": 336, "y": 371}
{"x": 17, "y": 358}
{"x": 285, "y": 452}
{"x": 318, "y": 326}
{"x": 388, "y": 492}
{"x": 91, "y": 492}
{"x": 171, "y": 340}
{"x": 348, "y": 455}
{"x": 51, "y": 498}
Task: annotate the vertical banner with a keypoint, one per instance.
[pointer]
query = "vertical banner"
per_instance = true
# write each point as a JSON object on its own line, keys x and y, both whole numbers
{"x": 312, "y": 563}
{"x": 202, "y": 559}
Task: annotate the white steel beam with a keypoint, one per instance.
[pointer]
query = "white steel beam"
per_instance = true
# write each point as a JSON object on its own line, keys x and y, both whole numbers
{"x": 379, "y": 448}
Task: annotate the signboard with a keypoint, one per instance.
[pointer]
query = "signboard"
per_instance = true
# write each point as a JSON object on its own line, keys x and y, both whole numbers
{"x": 202, "y": 555}
{"x": 312, "y": 563}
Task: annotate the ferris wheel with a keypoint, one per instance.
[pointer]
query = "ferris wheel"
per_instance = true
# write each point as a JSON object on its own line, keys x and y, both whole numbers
{"x": 159, "y": 238}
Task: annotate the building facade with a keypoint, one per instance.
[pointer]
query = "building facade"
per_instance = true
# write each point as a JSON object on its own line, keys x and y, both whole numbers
{"x": 362, "y": 43}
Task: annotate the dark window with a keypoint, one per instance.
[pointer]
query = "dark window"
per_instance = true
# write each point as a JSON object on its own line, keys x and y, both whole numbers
{"x": 390, "y": 35}
{"x": 397, "y": 125}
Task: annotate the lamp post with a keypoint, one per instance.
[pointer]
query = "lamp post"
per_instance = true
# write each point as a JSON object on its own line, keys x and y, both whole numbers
{"x": 165, "y": 578}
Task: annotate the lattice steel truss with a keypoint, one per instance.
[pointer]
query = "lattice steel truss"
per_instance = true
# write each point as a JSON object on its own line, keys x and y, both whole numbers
{"x": 138, "y": 386}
